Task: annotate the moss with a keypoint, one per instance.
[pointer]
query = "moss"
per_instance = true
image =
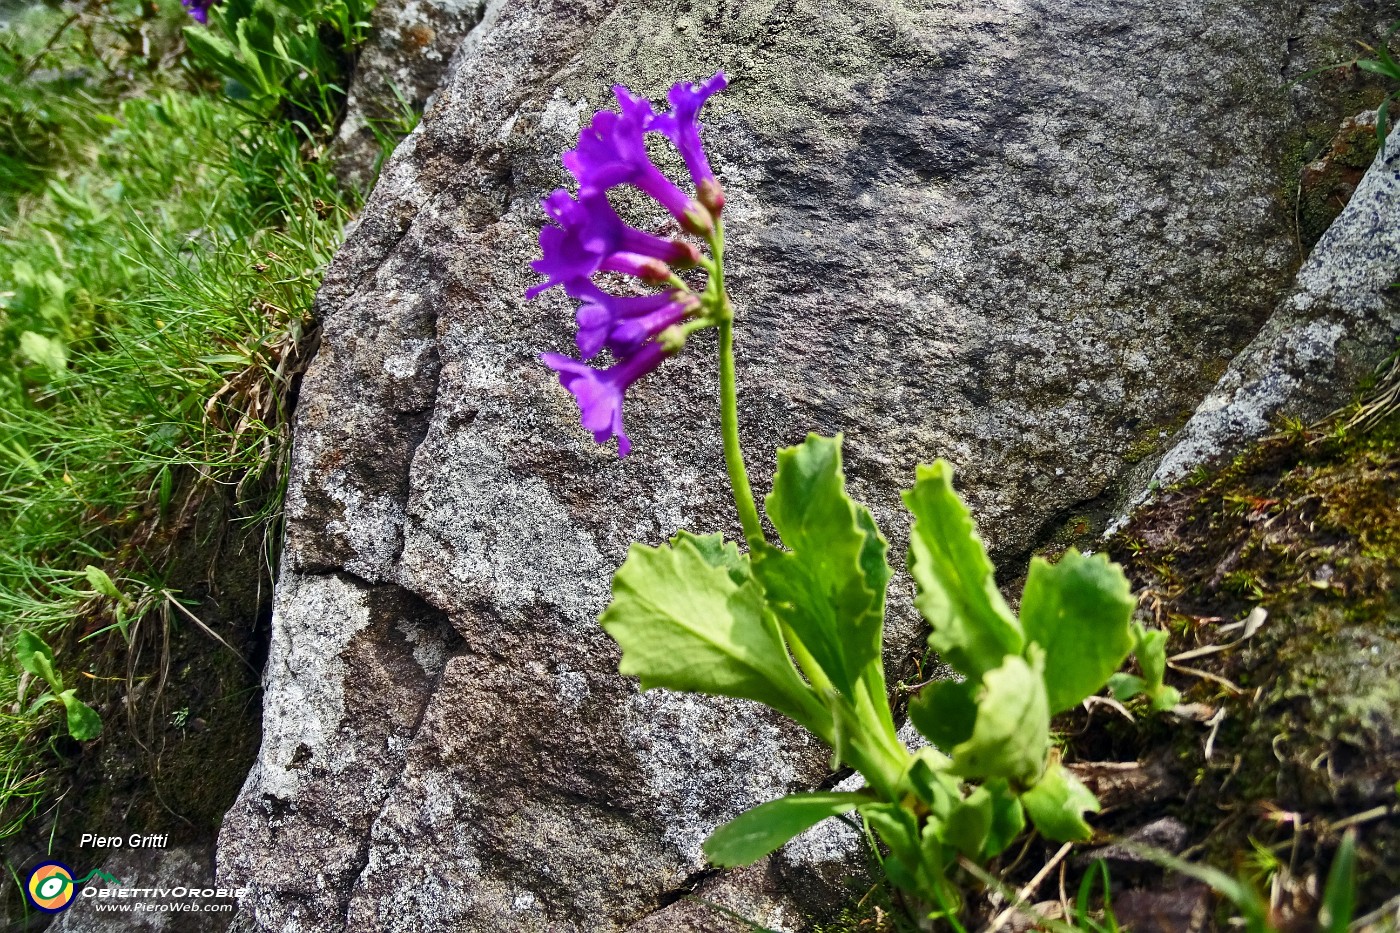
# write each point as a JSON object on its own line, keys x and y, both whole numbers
{"x": 1305, "y": 525}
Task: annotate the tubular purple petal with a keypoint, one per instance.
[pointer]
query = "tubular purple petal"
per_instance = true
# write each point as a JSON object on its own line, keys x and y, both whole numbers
{"x": 612, "y": 151}
{"x": 589, "y": 235}
{"x": 600, "y": 313}
{"x": 682, "y": 126}
{"x": 599, "y": 392}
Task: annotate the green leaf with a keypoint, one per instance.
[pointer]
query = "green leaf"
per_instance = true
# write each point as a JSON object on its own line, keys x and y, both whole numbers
{"x": 1057, "y": 804}
{"x": 757, "y": 832}
{"x": 101, "y": 583}
{"x": 40, "y": 702}
{"x": 1078, "y": 611}
{"x": 1339, "y": 896}
{"x": 83, "y": 721}
{"x": 828, "y": 587}
{"x": 898, "y": 829}
{"x": 970, "y": 823}
{"x": 945, "y": 712}
{"x": 1126, "y": 686}
{"x": 718, "y": 553}
{"x": 973, "y": 630}
{"x": 928, "y": 777}
{"x": 48, "y": 352}
{"x": 1008, "y": 818}
{"x": 35, "y": 657}
{"x": 1151, "y": 653}
{"x": 683, "y": 623}
{"x": 1012, "y": 730}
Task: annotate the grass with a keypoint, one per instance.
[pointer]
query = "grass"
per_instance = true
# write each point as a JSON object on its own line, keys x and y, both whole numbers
{"x": 159, "y": 252}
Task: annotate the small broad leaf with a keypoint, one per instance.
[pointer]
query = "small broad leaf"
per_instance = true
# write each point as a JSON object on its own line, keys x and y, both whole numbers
{"x": 970, "y": 823}
{"x": 755, "y": 833}
{"x": 37, "y": 658}
{"x": 40, "y": 702}
{"x": 828, "y": 586}
{"x": 1057, "y": 804}
{"x": 1078, "y": 611}
{"x": 48, "y": 352}
{"x": 898, "y": 829}
{"x": 944, "y": 712}
{"x": 101, "y": 583}
{"x": 1126, "y": 686}
{"x": 973, "y": 630}
{"x": 1012, "y": 731}
{"x": 683, "y": 623}
{"x": 83, "y": 721}
{"x": 1151, "y": 653}
{"x": 929, "y": 778}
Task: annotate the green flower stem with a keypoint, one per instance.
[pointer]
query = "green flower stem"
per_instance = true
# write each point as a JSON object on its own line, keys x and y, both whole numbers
{"x": 723, "y": 311}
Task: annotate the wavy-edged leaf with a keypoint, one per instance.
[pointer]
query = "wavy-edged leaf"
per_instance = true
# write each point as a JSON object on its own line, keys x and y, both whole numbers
{"x": 685, "y": 624}
{"x": 973, "y": 629}
{"x": 828, "y": 586}
{"x": 1012, "y": 730}
{"x": 764, "y": 829}
{"x": 1057, "y": 804}
{"x": 1078, "y": 611}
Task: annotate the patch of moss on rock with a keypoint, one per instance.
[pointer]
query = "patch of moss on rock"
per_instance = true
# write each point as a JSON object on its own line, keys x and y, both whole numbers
{"x": 1306, "y": 741}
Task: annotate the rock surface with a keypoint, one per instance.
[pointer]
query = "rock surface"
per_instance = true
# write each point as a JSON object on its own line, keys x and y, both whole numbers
{"x": 1025, "y": 237}
{"x": 1337, "y": 324}
{"x": 410, "y": 46}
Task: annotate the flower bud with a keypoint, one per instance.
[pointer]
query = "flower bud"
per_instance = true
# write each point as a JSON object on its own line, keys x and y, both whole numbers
{"x": 672, "y": 339}
{"x": 711, "y": 195}
{"x": 698, "y": 220}
{"x": 688, "y": 254}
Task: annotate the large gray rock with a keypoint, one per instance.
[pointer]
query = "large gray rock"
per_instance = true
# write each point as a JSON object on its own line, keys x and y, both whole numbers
{"x": 1339, "y": 321}
{"x": 1025, "y": 237}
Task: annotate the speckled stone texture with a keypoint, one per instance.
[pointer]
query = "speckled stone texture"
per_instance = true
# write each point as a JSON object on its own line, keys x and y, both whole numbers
{"x": 1340, "y": 321}
{"x": 1023, "y": 236}
{"x": 410, "y": 46}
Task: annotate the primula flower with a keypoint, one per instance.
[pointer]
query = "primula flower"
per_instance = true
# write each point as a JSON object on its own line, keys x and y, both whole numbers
{"x": 682, "y": 127}
{"x": 599, "y": 392}
{"x": 587, "y": 237}
{"x": 590, "y": 237}
{"x": 199, "y": 9}
{"x": 624, "y": 323}
{"x": 612, "y": 151}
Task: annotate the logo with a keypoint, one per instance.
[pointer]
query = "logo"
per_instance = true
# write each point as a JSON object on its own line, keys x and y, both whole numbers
{"x": 51, "y": 887}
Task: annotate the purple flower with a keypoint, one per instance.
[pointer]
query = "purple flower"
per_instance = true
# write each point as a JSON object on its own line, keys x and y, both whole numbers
{"x": 623, "y": 323}
{"x": 590, "y": 237}
{"x": 587, "y": 237}
{"x": 612, "y": 151}
{"x": 199, "y": 9}
{"x": 599, "y": 392}
{"x": 682, "y": 125}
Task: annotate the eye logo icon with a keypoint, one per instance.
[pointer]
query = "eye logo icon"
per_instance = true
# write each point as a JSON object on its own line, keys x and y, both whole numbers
{"x": 51, "y": 887}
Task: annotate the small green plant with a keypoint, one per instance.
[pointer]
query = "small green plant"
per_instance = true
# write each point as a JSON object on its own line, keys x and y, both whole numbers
{"x": 798, "y": 624}
{"x": 283, "y": 54}
{"x": 1150, "y": 650}
{"x": 1083, "y": 902}
{"x": 1384, "y": 64}
{"x": 36, "y": 659}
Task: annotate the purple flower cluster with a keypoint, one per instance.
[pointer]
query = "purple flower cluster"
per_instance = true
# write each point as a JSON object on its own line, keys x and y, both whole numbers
{"x": 588, "y": 237}
{"x": 199, "y": 9}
